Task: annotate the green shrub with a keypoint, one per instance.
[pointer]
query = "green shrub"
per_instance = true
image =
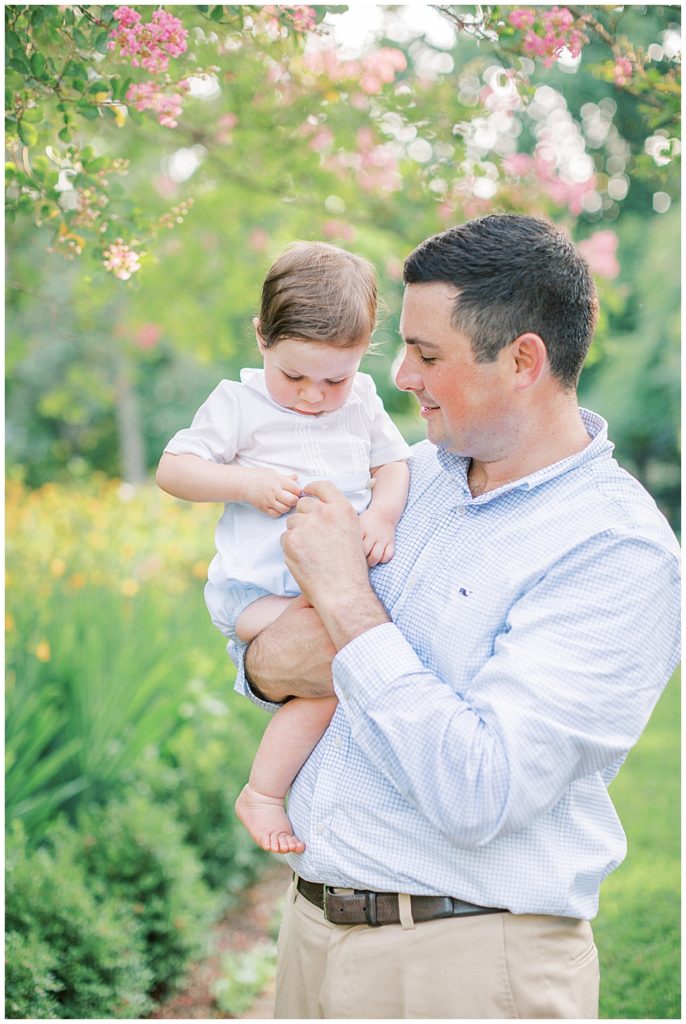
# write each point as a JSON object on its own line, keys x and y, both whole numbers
{"x": 135, "y": 852}
{"x": 244, "y": 976}
{"x": 202, "y": 768}
{"x": 97, "y": 966}
{"x": 30, "y": 978}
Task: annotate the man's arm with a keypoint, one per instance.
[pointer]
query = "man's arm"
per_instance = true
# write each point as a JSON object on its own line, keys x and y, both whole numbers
{"x": 292, "y": 657}
{"x": 566, "y": 693}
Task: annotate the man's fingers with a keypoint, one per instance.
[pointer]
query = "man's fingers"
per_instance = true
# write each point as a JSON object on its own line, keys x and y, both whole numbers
{"x": 325, "y": 490}
{"x": 305, "y": 504}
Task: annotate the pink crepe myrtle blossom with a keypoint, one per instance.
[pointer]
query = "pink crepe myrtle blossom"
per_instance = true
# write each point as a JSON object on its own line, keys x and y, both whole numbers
{"x": 258, "y": 239}
{"x": 542, "y": 171}
{"x": 149, "y": 44}
{"x": 548, "y": 31}
{"x": 339, "y": 229}
{"x": 121, "y": 260}
{"x": 151, "y": 96}
{"x": 148, "y": 335}
{"x": 600, "y": 252}
{"x": 302, "y": 19}
{"x": 623, "y": 70}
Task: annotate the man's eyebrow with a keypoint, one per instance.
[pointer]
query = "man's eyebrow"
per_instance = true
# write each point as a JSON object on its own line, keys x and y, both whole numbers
{"x": 420, "y": 341}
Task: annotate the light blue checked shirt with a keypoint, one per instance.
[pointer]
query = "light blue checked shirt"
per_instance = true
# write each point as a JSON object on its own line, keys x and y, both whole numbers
{"x": 533, "y": 629}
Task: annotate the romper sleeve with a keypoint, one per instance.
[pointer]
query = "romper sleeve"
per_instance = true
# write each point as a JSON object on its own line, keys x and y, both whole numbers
{"x": 387, "y": 443}
{"x": 214, "y": 433}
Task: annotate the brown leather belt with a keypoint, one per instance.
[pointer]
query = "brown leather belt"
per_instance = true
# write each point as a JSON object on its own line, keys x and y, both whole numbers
{"x": 376, "y": 908}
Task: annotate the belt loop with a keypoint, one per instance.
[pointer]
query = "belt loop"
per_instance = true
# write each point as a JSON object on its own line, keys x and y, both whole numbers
{"x": 405, "y": 911}
{"x": 295, "y": 888}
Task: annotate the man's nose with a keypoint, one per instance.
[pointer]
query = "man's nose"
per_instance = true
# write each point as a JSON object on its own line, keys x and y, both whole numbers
{"x": 407, "y": 379}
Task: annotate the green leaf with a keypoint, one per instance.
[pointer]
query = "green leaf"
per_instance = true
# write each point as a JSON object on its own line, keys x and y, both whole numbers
{"x": 38, "y": 64}
{"x": 101, "y": 41}
{"x": 99, "y": 86}
{"x": 120, "y": 87}
{"x": 76, "y": 69}
{"x": 100, "y": 164}
{"x": 78, "y": 84}
{"x": 217, "y": 13}
{"x": 87, "y": 110}
{"x": 28, "y": 134}
{"x": 20, "y": 63}
{"x": 34, "y": 115}
{"x": 64, "y": 134}
{"x": 13, "y": 42}
{"x": 81, "y": 40}
{"x": 38, "y": 16}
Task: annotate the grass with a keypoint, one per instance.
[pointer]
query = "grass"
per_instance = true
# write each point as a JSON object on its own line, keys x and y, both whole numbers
{"x": 638, "y": 928}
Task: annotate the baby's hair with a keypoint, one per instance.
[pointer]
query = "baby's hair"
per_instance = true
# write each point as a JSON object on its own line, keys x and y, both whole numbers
{"x": 317, "y": 292}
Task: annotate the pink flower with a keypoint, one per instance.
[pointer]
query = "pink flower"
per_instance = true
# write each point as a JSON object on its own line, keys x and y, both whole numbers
{"x": 150, "y": 96}
{"x": 148, "y": 335}
{"x": 547, "y": 32}
{"x": 121, "y": 260}
{"x": 339, "y": 229}
{"x": 623, "y": 70}
{"x": 258, "y": 239}
{"x": 522, "y": 17}
{"x": 322, "y": 141}
{"x": 148, "y": 45}
{"x": 599, "y": 251}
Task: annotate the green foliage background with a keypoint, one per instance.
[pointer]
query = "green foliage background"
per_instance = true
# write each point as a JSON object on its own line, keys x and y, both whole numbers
{"x": 125, "y": 750}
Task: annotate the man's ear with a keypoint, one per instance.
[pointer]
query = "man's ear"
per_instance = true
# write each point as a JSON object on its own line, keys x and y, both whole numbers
{"x": 530, "y": 358}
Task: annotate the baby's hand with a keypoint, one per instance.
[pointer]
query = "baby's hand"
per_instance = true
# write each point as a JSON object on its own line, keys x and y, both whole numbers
{"x": 378, "y": 537}
{"x": 272, "y": 492}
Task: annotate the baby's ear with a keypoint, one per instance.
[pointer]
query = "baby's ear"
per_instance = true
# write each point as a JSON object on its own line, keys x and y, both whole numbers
{"x": 260, "y": 340}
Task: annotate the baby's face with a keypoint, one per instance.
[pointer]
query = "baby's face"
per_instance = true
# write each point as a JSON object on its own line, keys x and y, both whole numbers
{"x": 311, "y": 377}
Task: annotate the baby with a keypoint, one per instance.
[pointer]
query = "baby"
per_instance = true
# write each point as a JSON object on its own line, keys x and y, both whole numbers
{"x": 307, "y": 415}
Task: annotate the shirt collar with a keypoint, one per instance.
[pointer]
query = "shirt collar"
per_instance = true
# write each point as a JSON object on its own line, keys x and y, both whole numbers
{"x": 458, "y": 465}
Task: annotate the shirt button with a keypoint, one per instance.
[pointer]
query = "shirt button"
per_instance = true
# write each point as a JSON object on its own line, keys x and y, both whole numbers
{"x": 320, "y": 830}
{"x": 337, "y": 743}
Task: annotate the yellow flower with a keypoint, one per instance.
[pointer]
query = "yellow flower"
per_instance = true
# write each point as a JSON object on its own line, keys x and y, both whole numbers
{"x": 77, "y": 581}
{"x": 129, "y": 588}
{"x": 9, "y": 623}
{"x": 42, "y": 651}
{"x": 57, "y": 567}
{"x": 200, "y": 570}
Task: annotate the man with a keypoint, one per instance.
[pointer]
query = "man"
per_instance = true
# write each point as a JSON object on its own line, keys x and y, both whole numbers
{"x": 456, "y": 815}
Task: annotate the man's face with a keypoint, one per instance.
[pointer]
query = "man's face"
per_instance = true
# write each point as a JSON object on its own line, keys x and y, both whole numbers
{"x": 467, "y": 405}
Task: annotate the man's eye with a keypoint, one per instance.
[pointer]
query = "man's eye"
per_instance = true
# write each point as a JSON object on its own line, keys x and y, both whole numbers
{"x": 342, "y": 381}
{"x": 288, "y": 376}
{"x": 427, "y": 360}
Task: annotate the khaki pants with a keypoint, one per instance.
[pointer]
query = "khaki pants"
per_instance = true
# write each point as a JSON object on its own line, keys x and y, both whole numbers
{"x": 493, "y": 966}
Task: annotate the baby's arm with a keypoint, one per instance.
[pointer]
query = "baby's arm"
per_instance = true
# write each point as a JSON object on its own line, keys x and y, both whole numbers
{"x": 378, "y": 522}
{"x": 196, "y": 479}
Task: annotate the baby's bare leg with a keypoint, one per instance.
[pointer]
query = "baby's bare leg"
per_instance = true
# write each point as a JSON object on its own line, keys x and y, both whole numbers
{"x": 260, "y": 614}
{"x": 289, "y": 738}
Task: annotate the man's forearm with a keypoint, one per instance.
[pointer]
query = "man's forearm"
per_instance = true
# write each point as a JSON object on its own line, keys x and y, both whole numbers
{"x": 291, "y": 658}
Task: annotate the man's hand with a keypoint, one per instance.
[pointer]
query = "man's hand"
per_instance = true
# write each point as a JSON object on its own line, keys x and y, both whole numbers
{"x": 271, "y": 492}
{"x": 292, "y": 657}
{"x": 323, "y": 549}
{"x": 378, "y": 536}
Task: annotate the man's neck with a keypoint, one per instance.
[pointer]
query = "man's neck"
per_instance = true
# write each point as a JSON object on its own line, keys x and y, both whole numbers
{"x": 546, "y": 441}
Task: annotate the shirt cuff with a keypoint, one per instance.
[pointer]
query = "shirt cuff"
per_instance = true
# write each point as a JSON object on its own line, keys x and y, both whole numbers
{"x": 372, "y": 663}
{"x": 237, "y": 651}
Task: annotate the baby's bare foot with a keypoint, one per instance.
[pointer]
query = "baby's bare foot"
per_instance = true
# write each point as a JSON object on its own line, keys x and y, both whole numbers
{"x": 267, "y": 821}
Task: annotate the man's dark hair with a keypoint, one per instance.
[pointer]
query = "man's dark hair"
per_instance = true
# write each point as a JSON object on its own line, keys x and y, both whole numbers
{"x": 513, "y": 274}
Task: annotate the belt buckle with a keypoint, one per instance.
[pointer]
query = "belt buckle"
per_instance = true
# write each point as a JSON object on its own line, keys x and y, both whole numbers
{"x": 335, "y": 903}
